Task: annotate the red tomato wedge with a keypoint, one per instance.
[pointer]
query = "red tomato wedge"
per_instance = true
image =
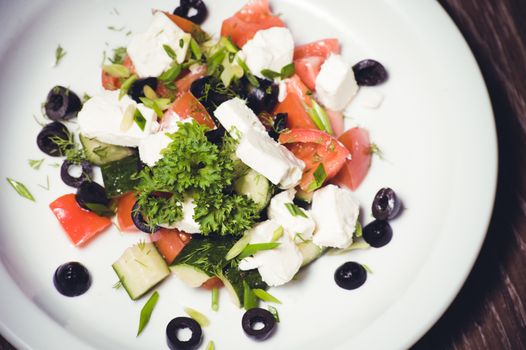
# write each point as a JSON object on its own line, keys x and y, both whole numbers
{"x": 320, "y": 48}
{"x": 212, "y": 282}
{"x": 252, "y": 17}
{"x": 124, "y": 211}
{"x": 293, "y": 104}
{"x": 188, "y": 26}
{"x": 169, "y": 243}
{"x": 110, "y": 82}
{"x": 183, "y": 84}
{"x": 315, "y": 147}
{"x": 80, "y": 225}
{"x": 308, "y": 68}
{"x": 355, "y": 169}
{"x": 336, "y": 119}
{"x": 187, "y": 106}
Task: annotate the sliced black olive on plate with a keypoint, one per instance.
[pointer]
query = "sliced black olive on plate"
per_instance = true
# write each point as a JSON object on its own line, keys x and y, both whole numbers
{"x": 75, "y": 181}
{"x": 369, "y": 73}
{"x": 136, "y": 90}
{"x": 350, "y": 275}
{"x": 264, "y": 97}
{"x": 62, "y": 104}
{"x": 386, "y": 205}
{"x": 92, "y": 196}
{"x": 185, "y": 10}
{"x": 258, "y": 323}
{"x": 378, "y": 233}
{"x": 173, "y": 331}
{"x": 51, "y": 137}
{"x": 72, "y": 279}
{"x": 140, "y": 222}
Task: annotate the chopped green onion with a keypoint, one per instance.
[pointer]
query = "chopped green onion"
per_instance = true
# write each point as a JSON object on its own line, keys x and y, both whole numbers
{"x": 215, "y": 60}
{"x": 21, "y": 189}
{"x": 146, "y": 311}
{"x": 196, "y": 50}
{"x": 139, "y": 119}
{"x": 367, "y": 268}
{"x": 126, "y": 85}
{"x": 47, "y": 184}
{"x": 277, "y": 234}
{"x": 171, "y": 74}
{"x": 358, "y": 229}
{"x": 294, "y": 210}
{"x": 274, "y": 312}
{"x": 35, "y": 163}
{"x": 249, "y": 298}
{"x": 115, "y": 29}
{"x": 270, "y": 74}
{"x": 251, "y": 78}
{"x": 228, "y": 45}
{"x": 252, "y": 249}
{"x": 210, "y": 345}
{"x": 265, "y": 296}
{"x": 149, "y": 92}
{"x": 288, "y": 71}
{"x": 374, "y": 149}
{"x": 153, "y": 105}
{"x": 319, "y": 117}
{"x": 116, "y": 70}
{"x": 59, "y": 54}
{"x": 238, "y": 247}
{"x": 215, "y": 298}
{"x": 319, "y": 178}
{"x": 196, "y": 315}
{"x": 170, "y": 52}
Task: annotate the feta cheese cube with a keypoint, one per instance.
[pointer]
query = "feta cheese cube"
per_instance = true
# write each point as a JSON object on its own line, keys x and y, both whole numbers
{"x": 271, "y": 48}
{"x": 335, "y": 84}
{"x": 150, "y": 148}
{"x": 276, "y": 266}
{"x": 237, "y": 118}
{"x": 293, "y": 225}
{"x": 101, "y": 117}
{"x": 335, "y": 212}
{"x": 146, "y": 49}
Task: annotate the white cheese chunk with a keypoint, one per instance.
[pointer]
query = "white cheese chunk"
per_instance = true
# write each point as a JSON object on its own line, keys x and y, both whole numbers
{"x": 335, "y": 212}
{"x": 101, "y": 118}
{"x": 150, "y": 148}
{"x": 297, "y": 227}
{"x": 272, "y": 160}
{"x": 237, "y": 118}
{"x": 146, "y": 50}
{"x": 276, "y": 266}
{"x": 335, "y": 84}
{"x": 271, "y": 48}
{"x": 187, "y": 223}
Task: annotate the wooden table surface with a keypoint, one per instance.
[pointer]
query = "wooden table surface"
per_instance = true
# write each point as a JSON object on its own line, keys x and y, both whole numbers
{"x": 490, "y": 311}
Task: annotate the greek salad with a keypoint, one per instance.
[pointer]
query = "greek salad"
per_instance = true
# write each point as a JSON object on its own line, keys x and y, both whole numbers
{"x": 228, "y": 153}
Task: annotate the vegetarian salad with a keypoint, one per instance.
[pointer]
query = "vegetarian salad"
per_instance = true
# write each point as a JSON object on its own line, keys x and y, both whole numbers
{"x": 230, "y": 155}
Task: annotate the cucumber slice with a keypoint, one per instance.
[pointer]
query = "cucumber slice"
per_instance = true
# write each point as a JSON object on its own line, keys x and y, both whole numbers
{"x": 117, "y": 175}
{"x": 310, "y": 252}
{"x": 233, "y": 279}
{"x": 255, "y": 186}
{"x": 192, "y": 276}
{"x": 140, "y": 268}
{"x": 100, "y": 153}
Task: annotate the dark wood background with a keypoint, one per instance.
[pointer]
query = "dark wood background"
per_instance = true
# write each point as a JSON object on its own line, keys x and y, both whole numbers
{"x": 490, "y": 311}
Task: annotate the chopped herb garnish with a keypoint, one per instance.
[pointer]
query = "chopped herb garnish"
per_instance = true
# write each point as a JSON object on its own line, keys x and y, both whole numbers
{"x": 35, "y": 163}
{"x": 249, "y": 298}
{"x": 288, "y": 71}
{"x": 152, "y": 104}
{"x": 215, "y": 298}
{"x": 274, "y": 312}
{"x": 128, "y": 33}
{"x": 146, "y": 311}
{"x": 118, "y": 284}
{"x": 100, "y": 209}
{"x": 277, "y": 234}
{"x": 294, "y": 210}
{"x": 251, "y": 78}
{"x": 199, "y": 317}
{"x": 367, "y": 268}
{"x": 116, "y": 70}
{"x": 228, "y": 44}
{"x": 21, "y": 189}
{"x": 196, "y": 51}
{"x": 115, "y": 29}
{"x": 270, "y": 74}
{"x": 139, "y": 119}
{"x": 172, "y": 73}
{"x": 300, "y": 237}
{"x": 265, "y": 296}
{"x": 85, "y": 97}
{"x": 210, "y": 345}
{"x": 46, "y": 187}
{"x": 141, "y": 244}
{"x": 374, "y": 149}
{"x": 119, "y": 54}
{"x": 358, "y": 229}
{"x": 238, "y": 247}
{"x": 126, "y": 85}
{"x": 115, "y": 11}
{"x": 149, "y": 92}
{"x": 169, "y": 51}
{"x": 54, "y": 165}
{"x": 319, "y": 117}
{"x": 59, "y": 54}
{"x": 319, "y": 178}
{"x": 252, "y": 249}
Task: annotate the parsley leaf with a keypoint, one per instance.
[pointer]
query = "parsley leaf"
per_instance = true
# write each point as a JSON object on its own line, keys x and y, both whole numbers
{"x": 59, "y": 54}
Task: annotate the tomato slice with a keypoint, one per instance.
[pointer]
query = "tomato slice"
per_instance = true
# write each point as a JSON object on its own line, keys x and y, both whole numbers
{"x": 308, "y": 68}
{"x": 322, "y": 48}
{"x": 187, "y": 106}
{"x": 245, "y": 23}
{"x": 79, "y": 224}
{"x": 169, "y": 243}
{"x": 183, "y": 84}
{"x": 315, "y": 147}
{"x": 212, "y": 282}
{"x": 355, "y": 169}
{"x": 124, "y": 211}
{"x": 188, "y": 26}
{"x": 293, "y": 104}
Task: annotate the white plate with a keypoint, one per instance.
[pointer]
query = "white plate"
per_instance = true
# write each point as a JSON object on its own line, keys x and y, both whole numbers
{"x": 435, "y": 127}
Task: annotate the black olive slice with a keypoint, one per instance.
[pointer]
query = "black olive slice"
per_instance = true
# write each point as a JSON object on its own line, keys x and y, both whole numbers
{"x": 183, "y": 10}
{"x": 256, "y": 316}
{"x": 139, "y": 220}
{"x": 369, "y": 73}
{"x": 350, "y": 275}
{"x": 179, "y": 323}
{"x": 49, "y": 135}
{"x": 386, "y": 205}
{"x": 87, "y": 172}
{"x": 378, "y": 233}
{"x": 264, "y": 97}
{"x": 90, "y": 193}
{"x": 136, "y": 90}
{"x": 62, "y": 103}
{"x": 72, "y": 279}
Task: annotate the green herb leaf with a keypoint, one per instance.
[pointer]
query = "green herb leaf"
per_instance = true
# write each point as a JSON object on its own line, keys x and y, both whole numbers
{"x": 119, "y": 54}
{"x": 251, "y": 78}
{"x": 210, "y": 345}
{"x": 274, "y": 312}
{"x": 170, "y": 52}
{"x": 146, "y": 311}
{"x": 125, "y": 86}
{"x": 288, "y": 71}
{"x": 171, "y": 74}
{"x": 319, "y": 178}
{"x": 249, "y": 298}
{"x": 196, "y": 50}
{"x": 35, "y": 163}
{"x": 358, "y": 229}
{"x": 265, "y": 296}
{"x": 270, "y": 74}
{"x": 277, "y": 234}
{"x": 374, "y": 149}
{"x": 139, "y": 119}
{"x": 100, "y": 209}
{"x": 59, "y": 54}
{"x": 21, "y": 189}
{"x": 252, "y": 249}
{"x": 153, "y": 105}
{"x": 238, "y": 247}
{"x": 116, "y": 70}
{"x": 199, "y": 317}
{"x": 215, "y": 298}
{"x": 294, "y": 210}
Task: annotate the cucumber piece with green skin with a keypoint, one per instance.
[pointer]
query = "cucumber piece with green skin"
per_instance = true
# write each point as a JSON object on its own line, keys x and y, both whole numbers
{"x": 232, "y": 277}
{"x": 310, "y": 252}
{"x": 117, "y": 175}
{"x": 140, "y": 268}
{"x": 255, "y": 186}
{"x": 191, "y": 276}
{"x": 100, "y": 153}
